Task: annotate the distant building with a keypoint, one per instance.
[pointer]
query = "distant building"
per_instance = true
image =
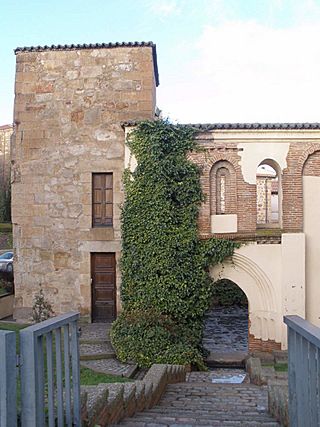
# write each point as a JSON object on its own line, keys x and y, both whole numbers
{"x": 5, "y": 144}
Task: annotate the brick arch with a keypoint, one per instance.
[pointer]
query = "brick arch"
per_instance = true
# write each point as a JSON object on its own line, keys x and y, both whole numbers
{"x": 293, "y": 188}
{"x": 230, "y": 187}
{"x": 305, "y": 155}
{"x": 311, "y": 166}
{"x": 246, "y": 193}
{"x": 217, "y": 157}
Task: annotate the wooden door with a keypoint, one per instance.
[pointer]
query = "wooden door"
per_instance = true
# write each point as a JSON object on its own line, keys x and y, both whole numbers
{"x": 103, "y": 275}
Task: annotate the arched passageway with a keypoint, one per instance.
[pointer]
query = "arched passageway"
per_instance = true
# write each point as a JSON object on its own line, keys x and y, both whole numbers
{"x": 226, "y": 322}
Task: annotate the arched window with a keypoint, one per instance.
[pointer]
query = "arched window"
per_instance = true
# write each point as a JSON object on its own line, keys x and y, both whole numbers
{"x": 269, "y": 194}
{"x": 223, "y": 192}
{"x": 223, "y": 176}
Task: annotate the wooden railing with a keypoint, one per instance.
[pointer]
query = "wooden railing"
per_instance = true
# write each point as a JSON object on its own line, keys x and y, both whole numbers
{"x": 303, "y": 372}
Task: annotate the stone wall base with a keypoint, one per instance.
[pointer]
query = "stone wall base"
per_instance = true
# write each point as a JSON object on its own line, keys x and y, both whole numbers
{"x": 257, "y": 344}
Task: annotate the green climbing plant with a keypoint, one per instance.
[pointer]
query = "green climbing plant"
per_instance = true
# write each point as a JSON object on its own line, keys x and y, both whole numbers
{"x": 166, "y": 288}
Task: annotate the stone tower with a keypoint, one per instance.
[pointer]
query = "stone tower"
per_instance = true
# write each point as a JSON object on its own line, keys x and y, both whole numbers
{"x": 67, "y": 163}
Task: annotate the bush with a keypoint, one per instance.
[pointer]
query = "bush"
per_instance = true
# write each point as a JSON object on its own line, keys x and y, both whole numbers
{"x": 142, "y": 337}
{"x": 226, "y": 293}
{"x": 41, "y": 309}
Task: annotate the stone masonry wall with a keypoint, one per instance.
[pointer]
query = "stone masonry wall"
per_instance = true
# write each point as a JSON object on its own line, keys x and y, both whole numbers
{"x": 69, "y": 105}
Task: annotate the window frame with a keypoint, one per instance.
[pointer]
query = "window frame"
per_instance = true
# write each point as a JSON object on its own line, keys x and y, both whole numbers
{"x": 106, "y": 220}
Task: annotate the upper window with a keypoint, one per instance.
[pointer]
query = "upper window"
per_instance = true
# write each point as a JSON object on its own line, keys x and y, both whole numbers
{"x": 223, "y": 191}
{"x": 268, "y": 195}
{"x": 221, "y": 182}
{"x": 102, "y": 200}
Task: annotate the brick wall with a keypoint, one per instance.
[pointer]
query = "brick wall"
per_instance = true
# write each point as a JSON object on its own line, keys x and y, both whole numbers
{"x": 312, "y": 165}
{"x": 242, "y": 195}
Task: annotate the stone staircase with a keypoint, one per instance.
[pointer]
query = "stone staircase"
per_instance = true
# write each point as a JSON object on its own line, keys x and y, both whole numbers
{"x": 96, "y": 351}
{"x": 204, "y": 404}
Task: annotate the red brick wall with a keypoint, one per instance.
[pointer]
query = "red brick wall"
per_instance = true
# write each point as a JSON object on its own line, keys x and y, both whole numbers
{"x": 312, "y": 165}
{"x": 257, "y": 344}
{"x": 242, "y": 196}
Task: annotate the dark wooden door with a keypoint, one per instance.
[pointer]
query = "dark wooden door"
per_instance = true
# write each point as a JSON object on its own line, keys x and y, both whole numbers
{"x": 103, "y": 272}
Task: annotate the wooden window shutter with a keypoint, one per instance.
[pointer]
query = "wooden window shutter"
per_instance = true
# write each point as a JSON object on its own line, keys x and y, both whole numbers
{"x": 102, "y": 200}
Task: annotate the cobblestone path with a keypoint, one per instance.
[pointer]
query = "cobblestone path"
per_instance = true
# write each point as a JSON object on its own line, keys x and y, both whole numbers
{"x": 226, "y": 329}
{"x": 203, "y": 403}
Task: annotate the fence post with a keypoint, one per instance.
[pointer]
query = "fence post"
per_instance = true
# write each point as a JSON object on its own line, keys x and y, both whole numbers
{"x": 29, "y": 390}
{"x": 8, "y": 385}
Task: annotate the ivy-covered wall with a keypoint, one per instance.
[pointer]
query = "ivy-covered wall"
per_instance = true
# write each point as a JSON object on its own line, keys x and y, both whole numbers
{"x": 165, "y": 283}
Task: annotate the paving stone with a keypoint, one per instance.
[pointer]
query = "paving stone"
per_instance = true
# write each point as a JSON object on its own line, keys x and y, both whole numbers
{"x": 95, "y": 332}
{"x": 225, "y": 329}
{"x": 96, "y": 351}
{"x": 218, "y": 376}
{"x": 207, "y": 404}
{"x": 111, "y": 367}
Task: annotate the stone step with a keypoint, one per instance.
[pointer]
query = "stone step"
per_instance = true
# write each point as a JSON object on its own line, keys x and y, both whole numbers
{"x": 221, "y": 415}
{"x": 209, "y": 409}
{"x": 234, "y": 359}
{"x": 205, "y": 404}
{"x": 186, "y": 422}
{"x": 94, "y": 351}
{"x": 94, "y": 341}
{"x": 111, "y": 367}
{"x": 95, "y": 331}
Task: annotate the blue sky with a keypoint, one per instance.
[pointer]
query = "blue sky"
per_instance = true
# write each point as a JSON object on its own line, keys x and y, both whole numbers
{"x": 219, "y": 60}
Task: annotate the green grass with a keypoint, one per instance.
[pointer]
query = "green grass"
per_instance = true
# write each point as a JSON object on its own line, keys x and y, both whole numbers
{"x": 87, "y": 376}
{"x": 5, "y": 226}
{"x": 268, "y": 232}
{"x": 278, "y": 367}
{"x": 281, "y": 367}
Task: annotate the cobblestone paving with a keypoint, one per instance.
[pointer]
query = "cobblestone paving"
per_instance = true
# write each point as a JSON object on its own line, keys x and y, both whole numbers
{"x": 110, "y": 366}
{"x": 95, "y": 332}
{"x": 226, "y": 329}
{"x": 202, "y": 404}
{"x": 96, "y": 349}
{"x": 218, "y": 376}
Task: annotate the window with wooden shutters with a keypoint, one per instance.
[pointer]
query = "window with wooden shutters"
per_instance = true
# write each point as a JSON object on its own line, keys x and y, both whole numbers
{"x": 102, "y": 199}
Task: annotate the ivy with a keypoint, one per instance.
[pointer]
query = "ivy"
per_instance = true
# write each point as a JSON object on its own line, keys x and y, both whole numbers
{"x": 166, "y": 288}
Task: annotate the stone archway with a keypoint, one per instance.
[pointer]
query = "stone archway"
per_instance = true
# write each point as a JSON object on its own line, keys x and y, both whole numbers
{"x": 265, "y": 319}
{"x": 226, "y": 322}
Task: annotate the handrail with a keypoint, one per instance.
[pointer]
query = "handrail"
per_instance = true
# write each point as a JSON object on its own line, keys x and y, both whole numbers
{"x": 306, "y": 329}
{"x": 51, "y": 324}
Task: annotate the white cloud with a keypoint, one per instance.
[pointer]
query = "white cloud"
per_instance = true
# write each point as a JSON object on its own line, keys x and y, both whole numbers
{"x": 245, "y": 71}
{"x": 164, "y": 8}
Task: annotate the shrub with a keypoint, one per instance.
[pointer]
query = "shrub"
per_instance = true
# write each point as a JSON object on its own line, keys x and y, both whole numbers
{"x": 41, "y": 309}
{"x": 145, "y": 338}
{"x": 226, "y": 293}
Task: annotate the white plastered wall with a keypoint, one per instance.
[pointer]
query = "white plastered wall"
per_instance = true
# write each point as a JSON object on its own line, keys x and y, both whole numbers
{"x": 311, "y": 221}
{"x": 260, "y": 271}
{"x": 253, "y": 153}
